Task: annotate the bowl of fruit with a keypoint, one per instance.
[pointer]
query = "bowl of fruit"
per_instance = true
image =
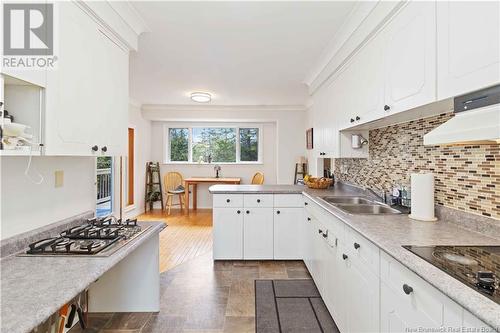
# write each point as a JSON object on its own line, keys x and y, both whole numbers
{"x": 317, "y": 183}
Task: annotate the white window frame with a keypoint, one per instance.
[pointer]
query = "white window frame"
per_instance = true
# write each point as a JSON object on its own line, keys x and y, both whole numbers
{"x": 166, "y": 135}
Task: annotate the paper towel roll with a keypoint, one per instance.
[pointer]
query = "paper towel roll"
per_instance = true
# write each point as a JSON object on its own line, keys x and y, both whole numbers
{"x": 422, "y": 197}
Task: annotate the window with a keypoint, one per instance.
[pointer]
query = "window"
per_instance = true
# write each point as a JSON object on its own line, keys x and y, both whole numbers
{"x": 213, "y": 145}
{"x": 179, "y": 144}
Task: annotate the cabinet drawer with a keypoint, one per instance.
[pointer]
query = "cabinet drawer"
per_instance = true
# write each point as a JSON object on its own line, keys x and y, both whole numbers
{"x": 423, "y": 304}
{"x": 362, "y": 251}
{"x": 288, "y": 200}
{"x": 228, "y": 200}
{"x": 258, "y": 200}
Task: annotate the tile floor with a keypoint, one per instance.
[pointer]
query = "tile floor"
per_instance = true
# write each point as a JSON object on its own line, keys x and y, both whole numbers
{"x": 202, "y": 296}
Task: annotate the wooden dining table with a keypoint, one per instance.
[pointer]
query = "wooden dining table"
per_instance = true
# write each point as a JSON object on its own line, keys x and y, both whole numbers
{"x": 194, "y": 181}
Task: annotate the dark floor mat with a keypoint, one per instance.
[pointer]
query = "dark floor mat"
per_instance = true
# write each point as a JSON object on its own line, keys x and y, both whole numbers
{"x": 290, "y": 306}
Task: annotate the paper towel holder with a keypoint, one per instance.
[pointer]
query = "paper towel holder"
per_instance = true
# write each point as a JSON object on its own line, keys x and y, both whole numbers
{"x": 357, "y": 141}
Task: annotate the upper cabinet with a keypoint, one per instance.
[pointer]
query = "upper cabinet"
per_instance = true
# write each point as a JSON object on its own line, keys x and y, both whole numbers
{"x": 468, "y": 39}
{"x": 87, "y": 94}
{"x": 82, "y": 103}
{"x": 410, "y": 57}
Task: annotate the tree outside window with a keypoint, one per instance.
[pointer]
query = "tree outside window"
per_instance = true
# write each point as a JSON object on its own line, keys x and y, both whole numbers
{"x": 179, "y": 144}
{"x": 213, "y": 144}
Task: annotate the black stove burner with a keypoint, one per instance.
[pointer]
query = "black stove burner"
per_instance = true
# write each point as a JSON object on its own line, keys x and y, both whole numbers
{"x": 476, "y": 266}
{"x": 90, "y": 238}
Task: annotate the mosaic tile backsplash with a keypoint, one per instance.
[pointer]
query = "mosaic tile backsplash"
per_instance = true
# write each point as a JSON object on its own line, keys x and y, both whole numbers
{"x": 467, "y": 177}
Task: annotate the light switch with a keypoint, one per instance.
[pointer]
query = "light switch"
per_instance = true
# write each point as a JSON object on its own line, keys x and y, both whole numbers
{"x": 59, "y": 178}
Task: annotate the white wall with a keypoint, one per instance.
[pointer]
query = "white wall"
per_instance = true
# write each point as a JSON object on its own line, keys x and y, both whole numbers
{"x": 244, "y": 171}
{"x": 142, "y": 132}
{"x": 290, "y": 128}
{"x": 26, "y": 206}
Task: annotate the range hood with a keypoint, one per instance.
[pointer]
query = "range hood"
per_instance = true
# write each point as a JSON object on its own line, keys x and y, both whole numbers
{"x": 476, "y": 120}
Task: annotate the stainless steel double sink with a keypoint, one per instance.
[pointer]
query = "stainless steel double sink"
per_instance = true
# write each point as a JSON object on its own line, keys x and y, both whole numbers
{"x": 359, "y": 205}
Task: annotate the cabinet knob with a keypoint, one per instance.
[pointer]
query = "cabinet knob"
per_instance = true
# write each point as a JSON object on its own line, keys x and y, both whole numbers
{"x": 95, "y": 148}
{"x": 387, "y": 107}
{"x": 228, "y": 200}
{"x": 352, "y": 120}
{"x": 239, "y": 211}
{"x": 258, "y": 200}
{"x": 104, "y": 149}
{"x": 407, "y": 289}
{"x": 309, "y": 219}
{"x": 278, "y": 212}
{"x": 325, "y": 235}
{"x": 358, "y": 118}
{"x": 305, "y": 203}
{"x": 356, "y": 246}
{"x": 320, "y": 231}
{"x": 248, "y": 212}
{"x": 344, "y": 256}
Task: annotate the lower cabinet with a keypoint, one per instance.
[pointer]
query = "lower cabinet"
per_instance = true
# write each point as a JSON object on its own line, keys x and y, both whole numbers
{"x": 257, "y": 227}
{"x": 258, "y": 233}
{"x": 365, "y": 289}
{"x": 287, "y": 235}
{"x": 228, "y": 233}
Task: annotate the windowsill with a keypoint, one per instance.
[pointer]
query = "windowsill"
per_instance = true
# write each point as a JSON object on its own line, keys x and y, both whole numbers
{"x": 212, "y": 164}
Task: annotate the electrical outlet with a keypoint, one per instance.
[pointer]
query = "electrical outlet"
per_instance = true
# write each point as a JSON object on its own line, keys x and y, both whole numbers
{"x": 59, "y": 178}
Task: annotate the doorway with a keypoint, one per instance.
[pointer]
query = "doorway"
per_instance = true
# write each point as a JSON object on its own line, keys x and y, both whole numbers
{"x": 104, "y": 203}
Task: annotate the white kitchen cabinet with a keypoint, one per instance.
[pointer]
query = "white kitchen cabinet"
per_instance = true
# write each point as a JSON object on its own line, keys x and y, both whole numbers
{"x": 362, "y": 85}
{"x": 87, "y": 96}
{"x": 287, "y": 233}
{"x": 258, "y": 233}
{"x": 267, "y": 226}
{"x": 325, "y": 129}
{"x": 113, "y": 106}
{"x": 408, "y": 302}
{"x": 468, "y": 37}
{"x": 227, "y": 233}
{"x": 335, "y": 291}
{"x": 361, "y": 298}
{"x": 307, "y": 241}
{"x": 410, "y": 57}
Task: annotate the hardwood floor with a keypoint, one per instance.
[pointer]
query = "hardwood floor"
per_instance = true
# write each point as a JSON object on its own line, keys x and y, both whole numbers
{"x": 185, "y": 238}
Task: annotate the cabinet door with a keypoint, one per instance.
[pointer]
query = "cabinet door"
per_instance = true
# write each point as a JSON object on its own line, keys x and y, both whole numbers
{"x": 410, "y": 57}
{"x": 334, "y": 294}
{"x": 468, "y": 46}
{"x": 287, "y": 235}
{"x": 72, "y": 108}
{"x": 422, "y": 306}
{"x": 258, "y": 233}
{"x": 362, "y": 83}
{"x": 363, "y": 298}
{"x": 228, "y": 233}
{"x": 307, "y": 242}
{"x": 112, "y": 99}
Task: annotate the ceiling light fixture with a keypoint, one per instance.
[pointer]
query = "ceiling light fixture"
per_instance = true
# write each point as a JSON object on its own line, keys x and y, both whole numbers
{"x": 201, "y": 97}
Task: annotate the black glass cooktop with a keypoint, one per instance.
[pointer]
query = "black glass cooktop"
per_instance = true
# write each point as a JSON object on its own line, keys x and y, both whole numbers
{"x": 476, "y": 266}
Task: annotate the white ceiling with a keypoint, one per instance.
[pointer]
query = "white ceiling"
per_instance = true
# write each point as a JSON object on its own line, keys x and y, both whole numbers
{"x": 244, "y": 53}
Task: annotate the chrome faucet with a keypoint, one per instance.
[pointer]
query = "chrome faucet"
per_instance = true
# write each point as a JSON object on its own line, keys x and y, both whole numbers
{"x": 379, "y": 198}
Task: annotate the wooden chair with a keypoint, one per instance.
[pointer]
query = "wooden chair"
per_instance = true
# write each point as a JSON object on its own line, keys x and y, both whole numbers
{"x": 258, "y": 178}
{"x": 172, "y": 181}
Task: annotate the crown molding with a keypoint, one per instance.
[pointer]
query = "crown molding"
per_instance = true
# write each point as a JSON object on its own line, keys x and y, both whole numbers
{"x": 363, "y": 23}
{"x": 120, "y": 21}
{"x": 235, "y": 108}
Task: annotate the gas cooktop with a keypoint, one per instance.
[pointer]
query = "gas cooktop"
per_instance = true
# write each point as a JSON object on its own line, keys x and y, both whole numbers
{"x": 476, "y": 266}
{"x": 96, "y": 237}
